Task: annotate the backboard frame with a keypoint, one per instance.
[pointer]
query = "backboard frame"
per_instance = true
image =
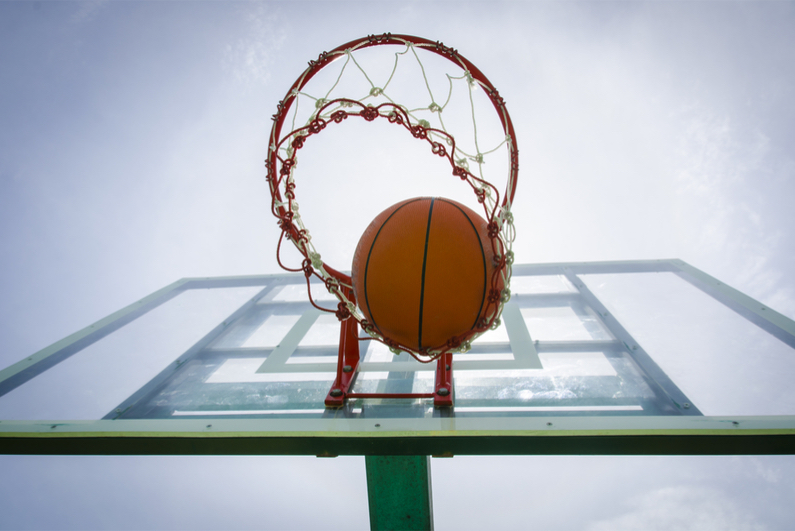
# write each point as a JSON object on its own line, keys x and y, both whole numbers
{"x": 686, "y": 433}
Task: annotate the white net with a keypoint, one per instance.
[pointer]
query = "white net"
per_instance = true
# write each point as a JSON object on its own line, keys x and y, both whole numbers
{"x": 439, "y": 98}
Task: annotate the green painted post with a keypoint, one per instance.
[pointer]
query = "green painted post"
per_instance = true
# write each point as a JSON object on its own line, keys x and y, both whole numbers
{"x": 399, "y": 491}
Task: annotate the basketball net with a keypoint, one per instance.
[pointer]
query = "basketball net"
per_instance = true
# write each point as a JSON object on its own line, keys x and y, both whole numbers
{"x": 392, "y": 78}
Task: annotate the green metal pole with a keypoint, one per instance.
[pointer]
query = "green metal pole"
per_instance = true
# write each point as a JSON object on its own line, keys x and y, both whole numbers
{"x": 399, "y": 491}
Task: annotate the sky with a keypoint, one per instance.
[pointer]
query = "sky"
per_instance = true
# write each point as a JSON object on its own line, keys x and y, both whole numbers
{"x": 132, "y": 136}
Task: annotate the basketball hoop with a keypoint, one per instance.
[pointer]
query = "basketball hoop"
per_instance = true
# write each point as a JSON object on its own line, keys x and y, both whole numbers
{"x": 424, "y": 122}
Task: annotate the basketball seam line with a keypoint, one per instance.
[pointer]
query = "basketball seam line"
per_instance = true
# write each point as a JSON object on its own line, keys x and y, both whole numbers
{"x": 424, "y": 261}
{"x": 370, "y": 252}
{"x": 483, "y": 256}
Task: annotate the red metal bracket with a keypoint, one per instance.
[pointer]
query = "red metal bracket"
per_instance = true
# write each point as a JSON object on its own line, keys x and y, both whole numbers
{"x": 348, "y": 364}
{"x": 348, "y": 360}
{"x": 443, "y": 390}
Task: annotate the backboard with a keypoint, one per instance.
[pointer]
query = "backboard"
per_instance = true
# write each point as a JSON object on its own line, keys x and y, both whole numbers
{"x": 638, "y": 357}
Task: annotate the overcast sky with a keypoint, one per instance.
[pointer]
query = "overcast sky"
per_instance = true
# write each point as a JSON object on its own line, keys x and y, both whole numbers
{"x": 131, "y": 144}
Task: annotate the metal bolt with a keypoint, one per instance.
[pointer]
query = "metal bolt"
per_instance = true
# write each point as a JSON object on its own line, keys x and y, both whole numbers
{"x": 735, "y": 423}
{"x": 549, "y": 424}
{"x": 53, "y": 426}
{"x": 447, "y": 367}
{"x": 377, "y": 425}
{"x": 347, "y": 368}
{"x": 336, "y": 392}
{"x": 634, "y": 347}
{"x": 686, "y": 405}
{"x": 209, "y": 425}
{"x": 443, "y": 391}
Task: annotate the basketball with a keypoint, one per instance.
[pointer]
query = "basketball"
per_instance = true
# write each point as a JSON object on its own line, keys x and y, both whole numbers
{"x": 422, "y": 272}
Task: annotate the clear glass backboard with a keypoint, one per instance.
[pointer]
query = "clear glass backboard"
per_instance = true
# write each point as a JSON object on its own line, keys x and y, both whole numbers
{"x": 651, "y": 357}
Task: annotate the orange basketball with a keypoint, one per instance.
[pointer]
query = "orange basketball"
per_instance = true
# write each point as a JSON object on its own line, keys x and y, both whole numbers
{"x": 422, "y": 271}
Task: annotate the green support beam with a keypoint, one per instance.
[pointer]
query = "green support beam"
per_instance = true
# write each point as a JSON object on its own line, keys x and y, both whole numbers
{"x": 399, "y": 492}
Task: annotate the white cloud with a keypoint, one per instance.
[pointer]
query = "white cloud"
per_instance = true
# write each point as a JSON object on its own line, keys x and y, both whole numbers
{"x": 698, "y": 508}
{"x": 249, "y": 57}
{"x": 724, "y": 179}
{"x": 87, "y": 11}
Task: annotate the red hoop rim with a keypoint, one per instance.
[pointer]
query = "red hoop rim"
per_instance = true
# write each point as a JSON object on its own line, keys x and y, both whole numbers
{"x": 436, "y": 47}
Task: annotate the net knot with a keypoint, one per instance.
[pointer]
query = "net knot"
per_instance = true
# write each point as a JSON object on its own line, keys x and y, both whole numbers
{"x": 496, "y": 324}
{"x": 316, "y": 261}
{"x": 303, "y": 236}
{"x": 342, "y": 312}
{"x": 395, "y": 118}
{"x": 376, "y": 91}
{"x": 338, "y": 116}
{"x": 298, "y": 142}
{"x": 506, "y": 295}
{"x": 368, "y": 328}
{"x": 419, "y": 130}
{"x": 454, "y": 343}
{"x": 285, "y": 222}
{"x": 287, "y": 166}
{"x": 494, "y": 229}
{"x": 369, "y": 113}
{"x": 289, "y": 190}
{"x": 306, "y": 267}
{"x": 332, "y": 284}
{"x": 320, "y": 102}
{"x": 438, "y": 149}
{"x": 460, "y": 172}
{"x": 317, "y": 125}
{"x": 434, "y": 107}
{"x": 494, "y": 295}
